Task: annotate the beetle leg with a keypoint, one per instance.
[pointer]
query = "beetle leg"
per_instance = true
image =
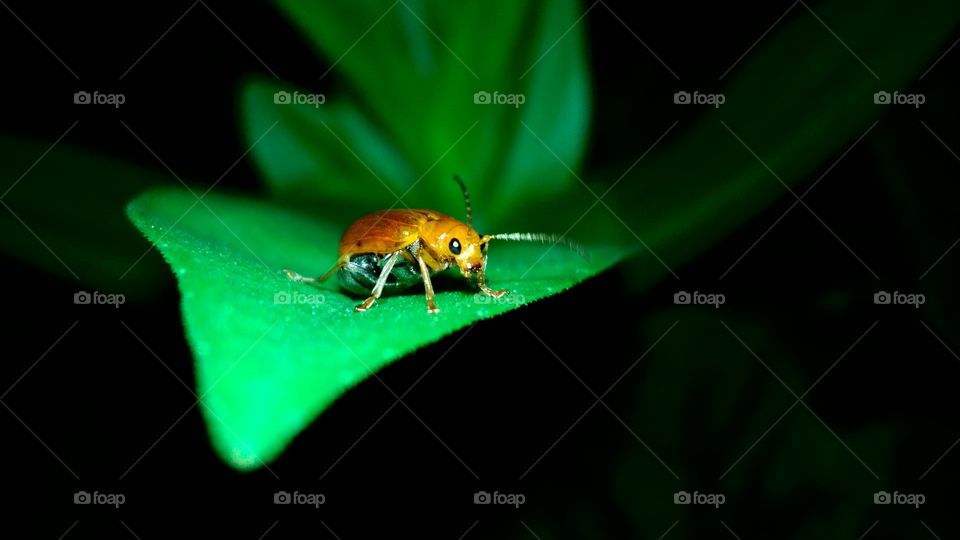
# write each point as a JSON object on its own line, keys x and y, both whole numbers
{"x": 302, "y": 279}
{"x": 492, "y": 292}
{"x": 482, "y": 282}
{"x": 388, "y": 262}
{"x": 427, "y": 284}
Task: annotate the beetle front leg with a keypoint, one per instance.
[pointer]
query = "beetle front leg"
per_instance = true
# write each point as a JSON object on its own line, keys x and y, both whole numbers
{"x": 427, "y": 285}
{"x": 492, "y": 292}
{"x": 388, "y": 261}
{"x": 482, "y": 282}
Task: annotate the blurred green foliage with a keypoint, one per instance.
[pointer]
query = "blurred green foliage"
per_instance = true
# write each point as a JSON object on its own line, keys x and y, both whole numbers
{"x": 414, "y": 75}
{"x": 64, "y": 215}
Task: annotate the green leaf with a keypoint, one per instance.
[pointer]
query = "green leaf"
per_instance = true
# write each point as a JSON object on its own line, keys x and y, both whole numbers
{"x": 64, "y": 214}
{"x": 420, "y": 96}
{"x": 265, "y": 368}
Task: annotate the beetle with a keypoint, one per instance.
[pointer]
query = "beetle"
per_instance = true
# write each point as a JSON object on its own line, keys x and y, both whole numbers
{"x": 392, "y": 250}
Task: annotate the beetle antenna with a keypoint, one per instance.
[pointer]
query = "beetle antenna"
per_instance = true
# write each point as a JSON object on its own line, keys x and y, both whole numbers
{"x": 542, "y": 238}
{"x": 466, "y": 198}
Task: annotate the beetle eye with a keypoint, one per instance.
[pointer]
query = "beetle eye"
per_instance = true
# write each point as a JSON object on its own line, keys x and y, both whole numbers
{"x": 455, "y": 246}
{"x": 483, "y": 248}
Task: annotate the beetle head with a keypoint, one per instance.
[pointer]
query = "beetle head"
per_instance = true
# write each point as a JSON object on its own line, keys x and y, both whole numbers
{"x": 455, "y": 242}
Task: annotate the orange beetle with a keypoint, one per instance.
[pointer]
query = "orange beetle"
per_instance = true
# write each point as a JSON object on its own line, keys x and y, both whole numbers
{"x": 392, "y": 250}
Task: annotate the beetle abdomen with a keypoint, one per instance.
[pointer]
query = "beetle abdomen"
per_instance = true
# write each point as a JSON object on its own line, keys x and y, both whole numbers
{"x": 360, "y": 274}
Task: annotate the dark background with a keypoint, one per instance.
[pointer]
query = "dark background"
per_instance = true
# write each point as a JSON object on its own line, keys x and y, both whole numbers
{"x": 99, "y": 400}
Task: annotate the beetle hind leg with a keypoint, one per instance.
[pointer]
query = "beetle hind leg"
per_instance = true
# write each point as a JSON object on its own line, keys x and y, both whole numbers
{"x": 303, "y": 279}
